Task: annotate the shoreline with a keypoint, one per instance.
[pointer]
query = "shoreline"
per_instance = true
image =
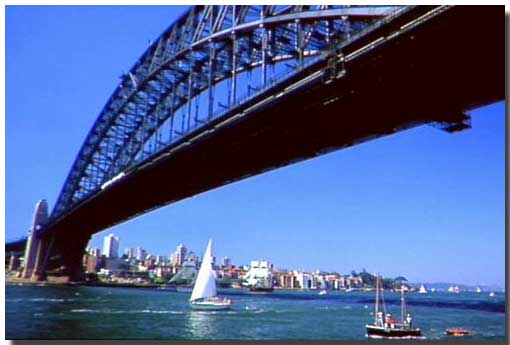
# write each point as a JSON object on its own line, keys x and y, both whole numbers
{"x": 28, "y": 282}
{"x": 21, "y": 281}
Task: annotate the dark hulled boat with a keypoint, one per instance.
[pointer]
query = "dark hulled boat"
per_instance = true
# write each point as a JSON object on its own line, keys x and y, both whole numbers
{"x": 393, "y": 333}
{"x": 261, "y": 288}
{"x": 385, "y": 326}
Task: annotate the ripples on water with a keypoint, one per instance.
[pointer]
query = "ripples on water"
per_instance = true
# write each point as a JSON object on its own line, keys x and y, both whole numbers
{"x": 34, "y": 312}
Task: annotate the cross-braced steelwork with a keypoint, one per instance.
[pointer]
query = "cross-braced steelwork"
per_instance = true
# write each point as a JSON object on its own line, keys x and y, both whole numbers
{"x": 228, "y": 92}
{"x": 210, "y": 60}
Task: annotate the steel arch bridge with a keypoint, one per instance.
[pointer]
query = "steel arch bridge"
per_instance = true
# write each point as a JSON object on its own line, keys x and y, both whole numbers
{"x": 277, "y": 84}
{"x": 210, "y": 60}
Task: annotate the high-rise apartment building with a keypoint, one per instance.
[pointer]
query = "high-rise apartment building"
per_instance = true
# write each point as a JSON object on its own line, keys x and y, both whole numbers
{"x": 226, "y": 262}
{"x": 180, "y": 255}
{"x": 111, "y": 246}
{"x": 141, "y": 254}
{"x": 94, "y": 252}
{"x": 130, "y": 252}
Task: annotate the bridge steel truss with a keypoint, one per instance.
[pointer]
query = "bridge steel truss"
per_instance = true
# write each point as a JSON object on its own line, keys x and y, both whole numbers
{"x": 210, "y": 60}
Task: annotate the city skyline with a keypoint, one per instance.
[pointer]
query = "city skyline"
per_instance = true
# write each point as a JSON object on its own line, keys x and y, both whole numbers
{"x": 226, "y": 261}
{"x": 421, "y": 201}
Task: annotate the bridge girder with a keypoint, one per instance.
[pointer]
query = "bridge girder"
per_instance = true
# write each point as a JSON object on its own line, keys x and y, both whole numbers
{"x": 394, "y": 64}
{"x": 201, "y": 66}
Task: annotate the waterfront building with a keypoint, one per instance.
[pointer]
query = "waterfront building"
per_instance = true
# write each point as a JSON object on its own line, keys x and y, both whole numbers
{"x": 226, "y": 262}
{"x": 287, "y": 280}
{"x": 231, "y": 272}
{"x": 191, "y": 256}
{"x": 130, "y": 252}
{"x": 163, "y": 272}
{"x": 112, "y": 263}
{"x": 109, "y": 272}
{"x": 111, "y": 246}
{"x": 160, "y": 260}
{"x": 304, "y": 280}
{"x": 141, "y": 254}
{"x": 149, "y": 262}
{"x": 333, "y": 281}
{"x": 179, "y": 255}
{"x": 141, "y": 268}
{"x": 354, "y": 282}
{"x": 95, "y": 252}
{"x": 319, "y": 281}
{"x": 91, "y": 263}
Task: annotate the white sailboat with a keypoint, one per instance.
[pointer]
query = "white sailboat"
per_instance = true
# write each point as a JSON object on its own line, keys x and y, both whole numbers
{"x": 422, "y": 289}
{"x": 454, "y": 289}
{"x": 204, "y": 294}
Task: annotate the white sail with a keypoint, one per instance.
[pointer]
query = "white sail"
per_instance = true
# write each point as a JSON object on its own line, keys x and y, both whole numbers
{"x": 205, "y": 285}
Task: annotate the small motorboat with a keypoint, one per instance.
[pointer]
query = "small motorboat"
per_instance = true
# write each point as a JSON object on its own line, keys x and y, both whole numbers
{"x": 323, "y": 292}
{"x": 458, "y": 332}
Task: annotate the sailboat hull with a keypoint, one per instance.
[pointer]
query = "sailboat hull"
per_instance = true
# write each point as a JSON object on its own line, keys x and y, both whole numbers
{"x": 210, "y": 306}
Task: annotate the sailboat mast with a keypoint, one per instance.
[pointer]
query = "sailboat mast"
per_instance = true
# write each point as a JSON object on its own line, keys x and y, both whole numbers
{"x": 376, "y": 298}
{"x": 403, "y": 303}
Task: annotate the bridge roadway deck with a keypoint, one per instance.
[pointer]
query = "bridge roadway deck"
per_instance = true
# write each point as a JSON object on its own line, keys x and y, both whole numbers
{"x": 433, "y": 72}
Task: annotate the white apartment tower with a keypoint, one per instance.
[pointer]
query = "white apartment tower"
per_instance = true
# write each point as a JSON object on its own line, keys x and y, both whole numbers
{"x": 111, "y": 246}
{"x": 179, "y": 255}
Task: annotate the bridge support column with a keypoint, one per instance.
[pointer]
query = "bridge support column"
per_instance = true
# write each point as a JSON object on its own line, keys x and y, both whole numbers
{"x": 38, "y": 272}
{"x": 40, "y": 218}
{"x": 30, "y": 253}
{"x": 13, "y": 263}
{"x": 63, "y": 259}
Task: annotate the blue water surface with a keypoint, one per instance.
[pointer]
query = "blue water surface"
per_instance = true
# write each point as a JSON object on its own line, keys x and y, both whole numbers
{"x": 80, "y": 312}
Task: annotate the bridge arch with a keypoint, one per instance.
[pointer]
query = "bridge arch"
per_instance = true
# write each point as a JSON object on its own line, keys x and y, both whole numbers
{"x": 391, "y": 62}
{"x": 207, "y": 62}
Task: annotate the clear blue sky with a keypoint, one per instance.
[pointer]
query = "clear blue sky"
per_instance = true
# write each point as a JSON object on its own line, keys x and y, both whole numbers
{"x": 422, "y": 203}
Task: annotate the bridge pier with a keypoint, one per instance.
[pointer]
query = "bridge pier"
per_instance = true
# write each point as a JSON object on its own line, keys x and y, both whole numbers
{"x": 30, "y": 253}
{"x": 38, "y": 272}
{"x": 32, "y": 247}
{"x": 51, "y": 255}
{"x": 62, "y": 256}
{"x": 13, "y": 263}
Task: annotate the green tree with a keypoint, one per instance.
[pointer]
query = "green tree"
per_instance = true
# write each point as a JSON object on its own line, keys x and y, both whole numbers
{"x": 368, "y": 279}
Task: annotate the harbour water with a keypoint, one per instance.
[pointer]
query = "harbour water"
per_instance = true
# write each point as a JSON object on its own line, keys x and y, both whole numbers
{"x": 79, "y": 312}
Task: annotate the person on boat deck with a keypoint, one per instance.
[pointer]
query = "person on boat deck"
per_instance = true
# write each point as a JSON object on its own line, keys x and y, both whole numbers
{"x": 389, "y": 321}
{"x": 409, "y": 320}
{"x": 380, "y": 319}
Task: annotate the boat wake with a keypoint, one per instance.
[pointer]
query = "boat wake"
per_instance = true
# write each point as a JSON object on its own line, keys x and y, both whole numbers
{"x": 109, "y": 311}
